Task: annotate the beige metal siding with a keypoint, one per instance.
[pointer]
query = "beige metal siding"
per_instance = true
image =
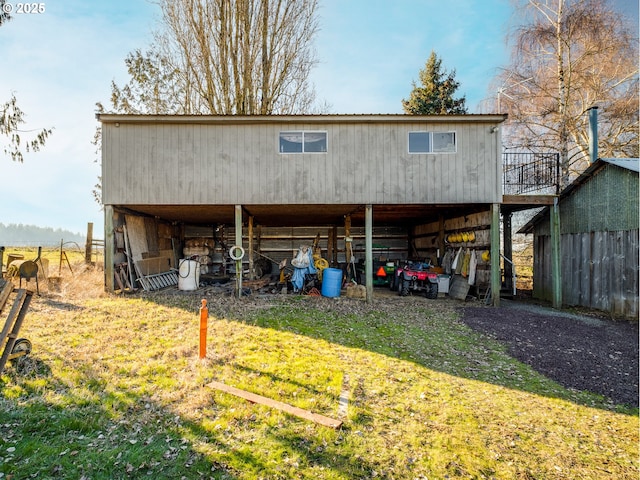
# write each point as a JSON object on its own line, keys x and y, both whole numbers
{"x": 235, "y": 163}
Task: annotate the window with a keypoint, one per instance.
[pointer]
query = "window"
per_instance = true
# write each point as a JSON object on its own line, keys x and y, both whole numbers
{"x": 432, "y": 142}
{"x": 303, "y": 142}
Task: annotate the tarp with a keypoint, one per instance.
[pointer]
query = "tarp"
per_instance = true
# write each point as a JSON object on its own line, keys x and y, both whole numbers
{"x": 303, "y": 264}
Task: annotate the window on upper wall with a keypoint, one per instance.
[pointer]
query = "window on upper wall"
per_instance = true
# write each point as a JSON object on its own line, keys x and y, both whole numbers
{"x": 303, "y": 142}
{"x": 432, "y": 142}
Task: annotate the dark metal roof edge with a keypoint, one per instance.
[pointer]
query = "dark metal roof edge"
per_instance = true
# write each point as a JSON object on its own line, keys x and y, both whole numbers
{"x": 339, "y": 118}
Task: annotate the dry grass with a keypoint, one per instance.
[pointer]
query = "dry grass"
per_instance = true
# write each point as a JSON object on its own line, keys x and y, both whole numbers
{"x": 115, "y": 389}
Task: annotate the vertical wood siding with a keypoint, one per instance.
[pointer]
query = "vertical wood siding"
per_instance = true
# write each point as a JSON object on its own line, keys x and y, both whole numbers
{"x": 599, "y": 270}
{"x": 163, "y": 163}
{"x": 598, "y": 245}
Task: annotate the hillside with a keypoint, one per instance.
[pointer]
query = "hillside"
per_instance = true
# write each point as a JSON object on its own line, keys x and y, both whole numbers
{"x": 31, "y": 235}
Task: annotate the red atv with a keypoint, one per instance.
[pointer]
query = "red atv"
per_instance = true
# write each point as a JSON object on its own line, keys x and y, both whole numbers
{"x": 416, "y": 277}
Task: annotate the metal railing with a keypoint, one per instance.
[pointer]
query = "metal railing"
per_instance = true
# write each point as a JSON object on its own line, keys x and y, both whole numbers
{"x": 530, "y": 172}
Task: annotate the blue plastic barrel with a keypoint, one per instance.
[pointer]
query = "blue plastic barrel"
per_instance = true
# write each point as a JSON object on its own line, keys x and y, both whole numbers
{"x": 331, "y": 282}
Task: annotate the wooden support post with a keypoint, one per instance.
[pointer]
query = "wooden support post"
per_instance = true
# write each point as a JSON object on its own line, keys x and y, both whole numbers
{"x": 330, "y": 242}
{"x": 507, "y": 243}
{"x": 495, "y": 254}
{"x": 109, "y": 249}
{"x": 441, "y": 245}
{"x": 334, "y": 259}
{"x": 239, "y": 244}
{"x": 257, "y": 246}
{"x": 556, "y": 276}
{"x": 88, "y": 247}
{"x": 252, "y": 272}
{"x": 347, "y": 238}
{"x": 368, "y": 227}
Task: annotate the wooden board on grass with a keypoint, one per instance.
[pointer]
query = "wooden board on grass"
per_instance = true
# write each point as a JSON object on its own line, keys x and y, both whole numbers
{"x": 285, "y": 407}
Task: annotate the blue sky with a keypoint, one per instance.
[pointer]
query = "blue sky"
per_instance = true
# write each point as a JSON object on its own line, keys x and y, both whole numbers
{"x": 61, "y": 62}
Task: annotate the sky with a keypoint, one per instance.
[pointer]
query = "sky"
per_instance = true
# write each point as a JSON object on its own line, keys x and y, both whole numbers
{"x": 62, "y": 61}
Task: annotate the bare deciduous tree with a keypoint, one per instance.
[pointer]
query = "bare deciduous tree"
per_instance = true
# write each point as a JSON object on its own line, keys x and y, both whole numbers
{"x": 242, "y": 57}
{"x": 12, "y": 118}
{"x": 570, "y": 55}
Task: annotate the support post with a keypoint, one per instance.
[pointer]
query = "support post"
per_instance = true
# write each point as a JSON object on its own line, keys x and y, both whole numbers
{"x": 368, "y": 227}
{"x": 507, "y": 242}
{"x": 88, "y": 247}
{"x": 441, "y": 245}
{"x": 252, "y": 272}
{"x": 495, "y": 254}
{"x": 347, "y": 239}
{"x": 109, "y": 249}
{"x": 556, "y": 277}
{"x": 331, "y": 240}
{"x": 238, "y": 243}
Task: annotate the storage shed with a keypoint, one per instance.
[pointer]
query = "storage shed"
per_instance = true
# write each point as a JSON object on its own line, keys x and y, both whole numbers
{"x": 378, "y": 187}
{"x": 599, "y": 220}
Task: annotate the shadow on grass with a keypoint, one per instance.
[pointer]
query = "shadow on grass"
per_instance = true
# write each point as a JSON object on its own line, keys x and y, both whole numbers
{"x": 439, "y": 335}
{"x": 92, "y": 429}
{"x": 86, "y": 425}
{"x": 55, "y": 430}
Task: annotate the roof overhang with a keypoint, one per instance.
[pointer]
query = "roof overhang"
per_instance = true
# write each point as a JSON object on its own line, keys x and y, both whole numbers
{"x": 110, "y": 118}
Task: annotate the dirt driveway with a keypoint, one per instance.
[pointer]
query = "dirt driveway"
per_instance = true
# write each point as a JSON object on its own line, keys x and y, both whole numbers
{"x": 578, "y": 351}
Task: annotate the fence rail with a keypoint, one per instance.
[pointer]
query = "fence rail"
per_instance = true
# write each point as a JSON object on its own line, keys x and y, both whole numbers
{"x": 527, "y": 172}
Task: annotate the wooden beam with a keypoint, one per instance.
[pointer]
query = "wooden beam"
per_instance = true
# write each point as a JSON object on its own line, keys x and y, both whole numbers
{"x": 285, "y": 407}
{"x": 109, "y": 249}
{"x": 252, "y": 272}
{"x": 347, "y": 235}
{"x": 88, "y": 247}
{"x": 238, "y": 243}
{"x": 495, "y": 255}
{"x": 528, "y": 199}
{"x": 332, "y": 245}
{"x": 368, "y": 216}
{"x": 556, "y": 275}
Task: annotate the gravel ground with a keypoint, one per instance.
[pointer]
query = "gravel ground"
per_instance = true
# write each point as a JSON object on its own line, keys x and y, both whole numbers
{"x": 578, "y": 351}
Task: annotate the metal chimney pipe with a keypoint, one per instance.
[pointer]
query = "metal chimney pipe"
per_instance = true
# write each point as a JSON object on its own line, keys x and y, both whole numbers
{"x": 593, "y": 134}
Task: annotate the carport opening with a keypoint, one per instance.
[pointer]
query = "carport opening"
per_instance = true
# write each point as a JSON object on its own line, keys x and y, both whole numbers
{"x": 150, "y": 242}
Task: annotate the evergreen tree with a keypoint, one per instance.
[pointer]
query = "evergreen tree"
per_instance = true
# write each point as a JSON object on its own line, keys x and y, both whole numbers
{"x": 436, "y": 95}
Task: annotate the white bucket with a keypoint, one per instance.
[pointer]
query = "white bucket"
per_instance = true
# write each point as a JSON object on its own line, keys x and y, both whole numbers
{"x": 188, "y": 274}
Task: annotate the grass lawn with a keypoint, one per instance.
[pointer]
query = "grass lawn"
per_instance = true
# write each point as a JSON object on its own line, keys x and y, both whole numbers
{"x": 114, "y": 388}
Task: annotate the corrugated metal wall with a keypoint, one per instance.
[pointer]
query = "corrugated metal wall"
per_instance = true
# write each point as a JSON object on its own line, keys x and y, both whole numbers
{"x": 609, "y": 201}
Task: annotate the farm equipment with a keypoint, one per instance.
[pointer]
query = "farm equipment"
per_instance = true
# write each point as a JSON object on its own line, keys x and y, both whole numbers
{"x": 14, "y": 347}
{"x": 416, "y": 277}
{"x": 383, "y": 273}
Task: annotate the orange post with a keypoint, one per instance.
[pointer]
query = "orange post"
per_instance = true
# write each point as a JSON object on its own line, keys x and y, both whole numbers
{"x": 204, "y": 316}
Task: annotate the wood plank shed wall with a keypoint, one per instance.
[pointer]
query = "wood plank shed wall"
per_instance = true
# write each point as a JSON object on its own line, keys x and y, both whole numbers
{"x": 599, "y": 245}
{"x": 235, "y": 160}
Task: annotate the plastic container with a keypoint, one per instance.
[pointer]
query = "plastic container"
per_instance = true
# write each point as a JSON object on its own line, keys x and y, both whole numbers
{"x": 331, "y": 282}
{"x": 188, "y": 274}
{"x": 443, "y": 283}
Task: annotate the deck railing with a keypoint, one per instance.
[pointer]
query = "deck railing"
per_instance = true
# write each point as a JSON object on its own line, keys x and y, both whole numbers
{"x": 530, "y": 173}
